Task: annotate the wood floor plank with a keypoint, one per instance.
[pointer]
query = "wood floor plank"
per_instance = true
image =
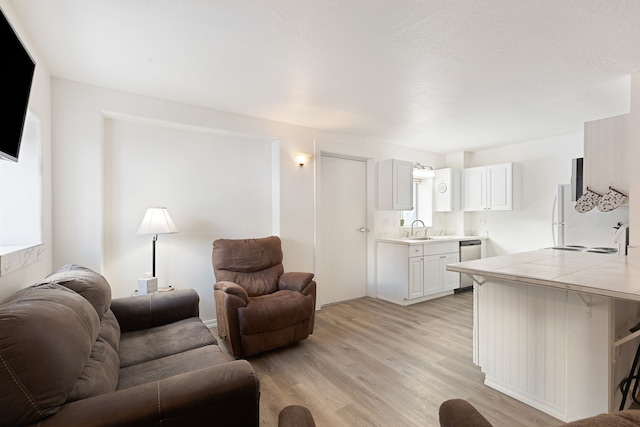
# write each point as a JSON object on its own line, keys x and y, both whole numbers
{"x": 373, "y": 363}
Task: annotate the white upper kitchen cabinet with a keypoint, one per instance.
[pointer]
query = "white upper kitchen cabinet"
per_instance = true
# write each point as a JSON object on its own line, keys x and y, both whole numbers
{"x": 606, "y": 154}
{"x": 446, "y": 190}
{"x": 395, "y": 185}
{"x": 494, "y": 187}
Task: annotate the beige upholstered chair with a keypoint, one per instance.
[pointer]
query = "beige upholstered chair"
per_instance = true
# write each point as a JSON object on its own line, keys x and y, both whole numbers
{"x": 259, "y": 307}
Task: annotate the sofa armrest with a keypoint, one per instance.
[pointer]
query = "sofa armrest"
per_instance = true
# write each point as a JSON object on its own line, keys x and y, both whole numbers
{"x": 294, "y": 281}
{"x": 227, "y": 394}
{"x": 160, "y": 308}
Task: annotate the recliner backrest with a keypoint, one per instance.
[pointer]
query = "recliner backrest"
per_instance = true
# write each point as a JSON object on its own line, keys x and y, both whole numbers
{"x": 254, "y": 264}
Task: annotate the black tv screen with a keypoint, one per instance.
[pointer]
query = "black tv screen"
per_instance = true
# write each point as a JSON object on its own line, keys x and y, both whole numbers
{"x": 17, "y": 74}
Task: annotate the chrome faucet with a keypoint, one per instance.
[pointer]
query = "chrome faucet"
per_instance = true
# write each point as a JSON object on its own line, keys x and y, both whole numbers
{"x": 417, "y": 220}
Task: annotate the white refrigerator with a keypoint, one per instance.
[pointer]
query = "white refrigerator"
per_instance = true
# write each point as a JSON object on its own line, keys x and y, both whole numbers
{"x": 589, "y": 229}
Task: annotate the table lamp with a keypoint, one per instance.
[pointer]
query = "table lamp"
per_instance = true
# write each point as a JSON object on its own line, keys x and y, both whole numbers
{"x": 156, "y": 221}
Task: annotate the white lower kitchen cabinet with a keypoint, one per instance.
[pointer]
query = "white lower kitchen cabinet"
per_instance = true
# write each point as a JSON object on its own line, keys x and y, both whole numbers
{"x": 408, "y": 274}
{"x": 416, "y": 278}
{"x": 439, "y": 279}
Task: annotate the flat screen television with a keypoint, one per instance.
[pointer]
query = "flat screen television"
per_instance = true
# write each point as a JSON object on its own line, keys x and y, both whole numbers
{"x": 16, "y": 72}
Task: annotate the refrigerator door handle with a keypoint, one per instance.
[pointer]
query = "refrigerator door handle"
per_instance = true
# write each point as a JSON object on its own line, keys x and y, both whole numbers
{"x": 554, "y": 223}
{"x": 557, "y": 217}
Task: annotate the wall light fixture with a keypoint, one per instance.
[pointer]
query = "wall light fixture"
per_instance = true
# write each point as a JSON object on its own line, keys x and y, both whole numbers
{"x": 422, "y": 171}
{"x": 302, "y": 158}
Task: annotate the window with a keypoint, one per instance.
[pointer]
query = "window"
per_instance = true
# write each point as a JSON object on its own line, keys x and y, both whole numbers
{"x": 20, "y": 191}
{"x": 422, "y": 204}
{"x": 21, "y": 210}
{"x": 412, "y": 215}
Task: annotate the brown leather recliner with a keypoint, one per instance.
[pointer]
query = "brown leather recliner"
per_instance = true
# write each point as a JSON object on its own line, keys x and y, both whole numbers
{"x": 259, "y": 307}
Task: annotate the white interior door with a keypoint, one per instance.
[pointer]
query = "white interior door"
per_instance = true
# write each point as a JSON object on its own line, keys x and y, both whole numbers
{"x": 343, "y": 233}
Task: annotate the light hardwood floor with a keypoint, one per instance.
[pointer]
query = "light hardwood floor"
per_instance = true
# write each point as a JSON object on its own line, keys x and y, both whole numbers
{"x": 373, "y": 363}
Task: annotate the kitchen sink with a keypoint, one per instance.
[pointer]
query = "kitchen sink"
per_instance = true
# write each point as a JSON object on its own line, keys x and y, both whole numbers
{"x": 416, "y": 239}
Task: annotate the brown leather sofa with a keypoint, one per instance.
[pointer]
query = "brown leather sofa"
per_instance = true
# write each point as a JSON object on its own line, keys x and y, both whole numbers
{"x": 460, "y": 413}
{"x": 259, "y": 307}
{"x": 70, "y": 356}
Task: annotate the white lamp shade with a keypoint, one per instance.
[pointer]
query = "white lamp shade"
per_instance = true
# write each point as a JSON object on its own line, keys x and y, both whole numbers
{"x": 157, "y": 221}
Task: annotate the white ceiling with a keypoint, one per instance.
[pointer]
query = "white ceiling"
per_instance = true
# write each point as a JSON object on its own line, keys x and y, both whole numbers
{"x": 441, "y": 75}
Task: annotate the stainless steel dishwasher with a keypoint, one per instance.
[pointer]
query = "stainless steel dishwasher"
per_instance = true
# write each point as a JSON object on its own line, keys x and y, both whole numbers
{"x": 469, "y": 250}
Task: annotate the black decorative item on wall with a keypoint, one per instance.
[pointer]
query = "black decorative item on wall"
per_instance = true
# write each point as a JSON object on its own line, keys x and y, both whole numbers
{"x": 16, "y": 74}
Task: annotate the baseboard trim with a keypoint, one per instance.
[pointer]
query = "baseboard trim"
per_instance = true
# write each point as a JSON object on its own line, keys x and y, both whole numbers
{"x": 211, "y": 324}
{"x": 547, "y": 407}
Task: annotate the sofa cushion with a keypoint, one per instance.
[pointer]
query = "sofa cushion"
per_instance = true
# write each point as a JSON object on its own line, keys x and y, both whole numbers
{"x": 86, "y": 282}
{"x": 165, "y": 367}
{"x": 153, "y": 343}
{"x": 100, "y": 374}
{"x": 275, "y": 311}
{"x": 40, "y": 365}
{"x": 110, "y": 330}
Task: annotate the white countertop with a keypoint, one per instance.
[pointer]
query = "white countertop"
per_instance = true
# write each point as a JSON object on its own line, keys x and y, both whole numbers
{"x": 598, "y": 274}
{"x": 431, "y": 239}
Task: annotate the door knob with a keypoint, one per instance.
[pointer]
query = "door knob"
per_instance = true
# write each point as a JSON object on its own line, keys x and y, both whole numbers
{"x": 363, "y": 229}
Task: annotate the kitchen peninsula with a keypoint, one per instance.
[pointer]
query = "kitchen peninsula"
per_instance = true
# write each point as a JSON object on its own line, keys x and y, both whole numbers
{"x": 549, "y": 327}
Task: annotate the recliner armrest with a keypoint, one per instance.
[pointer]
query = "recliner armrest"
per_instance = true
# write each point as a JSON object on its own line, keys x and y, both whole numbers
{"x": 294, "y": 281}
{"x": 160, "y": 308}
{"x": 231, "y": 289}
{"x": 227, "y": 394}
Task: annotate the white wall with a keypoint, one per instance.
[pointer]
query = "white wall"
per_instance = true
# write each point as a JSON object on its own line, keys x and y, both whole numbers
{"x": 214, "y": 186}
{"x": 40, "y": 106}
{"x": 545, "y": 164}
{"x": 93, "y": 221}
